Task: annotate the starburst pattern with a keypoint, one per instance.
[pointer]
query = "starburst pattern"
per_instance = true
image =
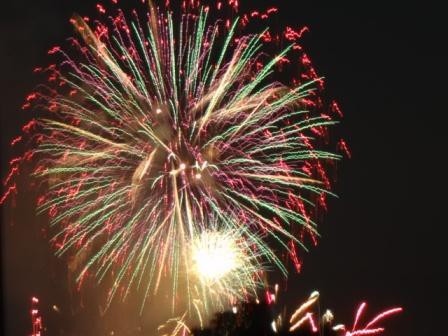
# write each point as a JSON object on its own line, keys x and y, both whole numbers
{"x": 160, "y": 126}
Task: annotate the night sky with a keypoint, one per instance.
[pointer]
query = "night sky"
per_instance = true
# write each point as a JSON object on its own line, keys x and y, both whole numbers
{"x": 381, "y": 240}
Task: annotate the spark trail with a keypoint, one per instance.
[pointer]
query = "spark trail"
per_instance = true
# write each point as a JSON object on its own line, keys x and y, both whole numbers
{"x": 154, "y": 128}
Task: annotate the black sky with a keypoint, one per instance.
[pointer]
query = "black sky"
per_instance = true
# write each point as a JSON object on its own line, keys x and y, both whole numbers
{"x": 382, "y": 239}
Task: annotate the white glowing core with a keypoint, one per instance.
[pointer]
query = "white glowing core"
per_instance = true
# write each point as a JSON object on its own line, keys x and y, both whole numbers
{"x": 215, "y": 256}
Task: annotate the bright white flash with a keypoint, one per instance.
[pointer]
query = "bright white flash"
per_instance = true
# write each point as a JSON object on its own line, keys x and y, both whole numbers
{"x": 215, "y": 255}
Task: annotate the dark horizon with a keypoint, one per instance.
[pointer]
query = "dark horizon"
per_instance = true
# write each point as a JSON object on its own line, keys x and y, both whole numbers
{"x": 380, "y": 238}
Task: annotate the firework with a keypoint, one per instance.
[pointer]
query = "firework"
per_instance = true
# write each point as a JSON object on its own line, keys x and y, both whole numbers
{"x": 305, "y": 316}
{"x": 370, "y": 328}
{"x": 157, "y": 127}
{"x": 226, "y": 268}
{"x": 307, "y": 319}
{"x": 36, "y": 319}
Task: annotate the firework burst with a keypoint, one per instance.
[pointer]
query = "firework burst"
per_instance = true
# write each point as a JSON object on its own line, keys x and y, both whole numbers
{"x": 269, "y": 317}
{"x": 226, "y": 268}
{"x": 158, "y": 125}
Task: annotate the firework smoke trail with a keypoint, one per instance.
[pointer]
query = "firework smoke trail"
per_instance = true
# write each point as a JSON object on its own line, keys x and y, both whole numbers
{"x": 158, "y": 125}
